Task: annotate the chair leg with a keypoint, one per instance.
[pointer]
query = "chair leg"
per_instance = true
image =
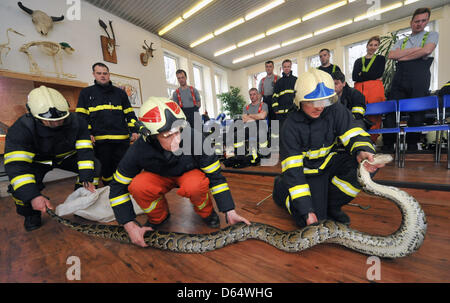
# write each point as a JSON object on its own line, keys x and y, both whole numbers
{"x": 403, "y": 149}
{"x": 438, "y": 146}
{"x": 448, "y": 149}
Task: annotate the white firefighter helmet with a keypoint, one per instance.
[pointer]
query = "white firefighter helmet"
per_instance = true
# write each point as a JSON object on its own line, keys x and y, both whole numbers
{"x": 158, "y": 115}
{"x": 48, "y": 104}
{"x": 315, "y": 86}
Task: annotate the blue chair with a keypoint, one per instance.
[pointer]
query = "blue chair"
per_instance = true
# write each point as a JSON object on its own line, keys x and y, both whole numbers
{"x": 381, "y": 108}
{"x": 416, "y": 105}
{"x": 446, "y": 104}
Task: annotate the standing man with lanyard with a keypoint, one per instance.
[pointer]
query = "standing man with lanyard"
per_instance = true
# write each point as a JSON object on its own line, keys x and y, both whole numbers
{"x": 109, "y": 115}
{"x": 266, "y": 86}
{"x": 412, "y": 77}
{"x": 326, "y": 66}
{"x": 187, "y": 97}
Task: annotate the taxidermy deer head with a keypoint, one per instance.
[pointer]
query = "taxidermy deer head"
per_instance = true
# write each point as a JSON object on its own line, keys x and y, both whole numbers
{"x": 148, "y": 53}
{"x": 42, "y": 22}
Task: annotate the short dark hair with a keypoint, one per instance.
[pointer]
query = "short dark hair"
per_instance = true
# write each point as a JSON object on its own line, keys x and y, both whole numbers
{"x": 421, "y": 10}
{"x": 324, "y": 49}
{"x": 285, "y": 61}
{"x": 181, "y": 71}
{"x": 338, "y": 75}
{"x": 99, "y": 64}
{"x": 253, "y": 89}
{"x": 269, "y": 62}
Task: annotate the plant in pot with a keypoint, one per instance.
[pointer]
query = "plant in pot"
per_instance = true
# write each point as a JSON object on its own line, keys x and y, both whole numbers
{"x": 232, "y": 102}
{"x": 386, "y": 43}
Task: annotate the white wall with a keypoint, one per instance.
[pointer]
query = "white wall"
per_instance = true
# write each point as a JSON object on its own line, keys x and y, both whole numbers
{"x": 84, "y": 37}
{"x": 441, "y": 15}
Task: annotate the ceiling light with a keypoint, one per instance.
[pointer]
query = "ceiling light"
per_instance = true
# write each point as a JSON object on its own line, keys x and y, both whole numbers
{"x": 333, "y": 27}
{"x": 263, "y": 9}
{"x": 250, "y": 40}
{"x": 378, "y": 11}
{"x": 266, "y": 50}
{"x": 410, "y": 1}
{"x": 202, "y": 39}
{"x": 196, "y": 8}
{"x": 295, "y": 40}
{"x": 243, "y": 58}
{"x": 225, "y": 50}
{"x": 229, "y": 26}
{"x": 324, "y": 10}
{"x": 170, "y": 26}
{"x": 283, "y": 26}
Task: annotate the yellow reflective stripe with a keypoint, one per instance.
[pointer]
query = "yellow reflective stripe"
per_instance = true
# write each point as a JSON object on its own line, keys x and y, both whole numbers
{"x": 107, "y": 179}
{"x": 130, "y": 124}
{"x": 128, "y": 110}
{"x": 89, "y": 126}
{"x": 201, "y": 206}
{"x": 120, "y": 200}
{"x": 282, "y": 111}
{"x": 358, "y": 144}
{"x": 273, "y": 135}
{"x": 87, "y": 164}
{"x": 152, "y": 205}
{"x": 19, "y": 156}
{"x": 275, "y": 104}
{"x": 299, "y": 191}
{"x": 310, "y": 170}
{"x": 17, "y": 201}
{"x": 219, "y": 188}
{"x": 82, "y": 110}
{"x": 287, "y": 91}
{"x": 319, "y": 153}
{"x": 95, "y": 182}
{"x": 121, "y": 178}
{"x": 79, "y": 144}
{"x": 238, "y": 144}
{"x": 345, "y": 138}
{"x": 345, "y": 187}
{"x": 211, "y": 168}
{"x": 321, "y": 167}
{"x": 358, "y": 110}
{"x": 288, "y": 204}
{"x": 112, "y": 137}
{"x": 264, "y": 144}
{"x": 21, "y": 180}
{"x": 105, "y": 107}
{"x": 325, "y": 163}
{"x": 290, "y": 162}
{"x": 69, "y": 153}
{"x": 45, "y": 162}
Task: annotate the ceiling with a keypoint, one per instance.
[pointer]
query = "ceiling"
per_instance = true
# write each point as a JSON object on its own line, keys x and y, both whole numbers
{"x": 153, "y": 15}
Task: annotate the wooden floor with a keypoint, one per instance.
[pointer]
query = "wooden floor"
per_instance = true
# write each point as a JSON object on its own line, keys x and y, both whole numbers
{"x": 41, "y": 255}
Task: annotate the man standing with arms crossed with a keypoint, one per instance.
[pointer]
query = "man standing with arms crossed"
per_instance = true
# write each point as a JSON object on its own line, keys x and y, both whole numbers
{"x": 265, "y": 88}
{"x": 187, "y": 97}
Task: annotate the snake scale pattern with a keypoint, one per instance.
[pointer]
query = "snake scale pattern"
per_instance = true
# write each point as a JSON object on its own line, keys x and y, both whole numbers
{"x": 407, "y": 239}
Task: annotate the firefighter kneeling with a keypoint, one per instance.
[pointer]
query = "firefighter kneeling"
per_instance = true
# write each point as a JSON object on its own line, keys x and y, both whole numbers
{"x": 47, "y": 137}
{"x": 152, "y": 167}
{"x": 316, "y": 181}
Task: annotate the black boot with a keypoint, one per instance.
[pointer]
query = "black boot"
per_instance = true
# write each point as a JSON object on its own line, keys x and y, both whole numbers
{"x": 338, "y": 215}
{"x": 32, "y": 222}
{"x": 212, "y": 220}
{"x": 155, "y": 226}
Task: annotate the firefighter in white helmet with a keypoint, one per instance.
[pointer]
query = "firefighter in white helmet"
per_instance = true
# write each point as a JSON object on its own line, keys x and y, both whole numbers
{"x": 316, "y": 181}
{"x": 47, "y": 137}
{"x": 153, "y": 166}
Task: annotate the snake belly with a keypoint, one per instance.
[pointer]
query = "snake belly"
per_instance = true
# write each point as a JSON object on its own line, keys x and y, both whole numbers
{"x": 404, "y": 241}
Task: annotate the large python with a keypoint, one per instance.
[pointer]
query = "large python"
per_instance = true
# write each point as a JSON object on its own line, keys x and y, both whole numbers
{"x": 407, "y": 239}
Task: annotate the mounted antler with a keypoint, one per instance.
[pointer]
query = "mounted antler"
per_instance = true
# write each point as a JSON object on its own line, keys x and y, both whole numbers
{"x": 42, "y": 22}
{"x": 148, "y": 53}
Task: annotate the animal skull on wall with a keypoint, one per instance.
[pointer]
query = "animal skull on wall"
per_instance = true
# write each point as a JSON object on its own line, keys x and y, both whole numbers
{"x": 42, "y": 22}
{"x": 145, "y": 57}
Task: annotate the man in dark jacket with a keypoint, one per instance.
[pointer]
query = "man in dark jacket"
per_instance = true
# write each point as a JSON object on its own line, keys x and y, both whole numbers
{"x": 154, "y": 165}
{"x": 316, "y": 181}
{"x": 108, "y": 112}
{"x": 351, "y": 98}
{"x": 47, "y": 137}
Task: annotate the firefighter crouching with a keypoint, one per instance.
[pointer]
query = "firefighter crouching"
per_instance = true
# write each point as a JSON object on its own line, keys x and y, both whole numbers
{"x": 47, "y": 137}
{"x": 316, "y": 181}
{"x": 152, "y": 167}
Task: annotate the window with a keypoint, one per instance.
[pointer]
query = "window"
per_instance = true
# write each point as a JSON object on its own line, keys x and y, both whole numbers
{"x": 199, "y": 84}
{"x": 171, "y": 65}
{"x": 353, "y": 52}
{"x": 314, "y": 61}
{"x": 218, "y": 80}
{"x": 255, "y": 79}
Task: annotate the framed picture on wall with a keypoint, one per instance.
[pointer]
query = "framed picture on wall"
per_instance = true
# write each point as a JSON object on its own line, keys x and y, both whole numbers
{"x": 131, "y": 86}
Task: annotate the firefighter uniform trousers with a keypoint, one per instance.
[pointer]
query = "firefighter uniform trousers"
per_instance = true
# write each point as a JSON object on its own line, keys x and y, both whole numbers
{"x": 334, "y": 187}
{"x": 39, "y": 170}
{"x": 149, "y": 189}
{"x": 411, "y": 80}
{"x": 110, "y": 153}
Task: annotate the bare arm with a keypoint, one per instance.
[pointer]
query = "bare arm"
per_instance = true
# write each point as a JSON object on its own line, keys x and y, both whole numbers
{"x": 260, "y": 116}
{"x": 412, "y": 53}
